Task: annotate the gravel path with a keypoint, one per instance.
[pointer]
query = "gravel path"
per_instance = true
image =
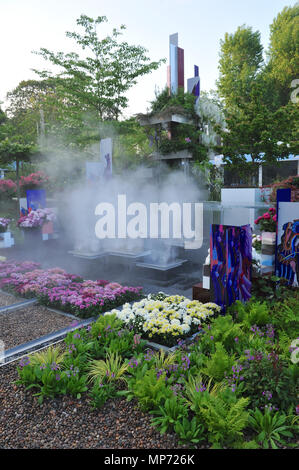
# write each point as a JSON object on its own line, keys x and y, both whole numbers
{"x": 66, "y": 423}
{"x": 6, "y": 299}
{"x": 29, "y": 323}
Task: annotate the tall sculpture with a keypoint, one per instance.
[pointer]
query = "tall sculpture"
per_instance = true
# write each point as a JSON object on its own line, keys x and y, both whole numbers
{"x": 193, "y": 84}
{"x": 175, "y": 70}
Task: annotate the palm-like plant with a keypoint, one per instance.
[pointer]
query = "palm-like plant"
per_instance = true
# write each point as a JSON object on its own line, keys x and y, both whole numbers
{"x": 111, "y": 369}
{"x": 51, "y": 355}
{"x": 162, "y": 360}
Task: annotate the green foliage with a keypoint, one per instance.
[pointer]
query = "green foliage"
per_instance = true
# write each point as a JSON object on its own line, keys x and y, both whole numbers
{"x": 169, "y": 414}
{"x": 260, "y": 116}
{"x": 223, "y": 330}
{"x": 51, "y": 380}
{"x": 219, "y": 364}
{"x": 252, "y": 313}
{"x": 269, "y": 380}
{"x": 109, "y": 335}
{"x": 189, "y": 431}
{"x": 196, "y": 391}
{"x": 53, "y": 354}
{"x": 79, "y": 348}
{"x": 181, "y": 100}
{"x": 111, "y": 369}
{"x": 150, "y": 391}
{"x": 285, "y": 315}
{"x": 183, "y": 136}
{"x": 270, "y": 427}
{"x": 283, "y": 50}
{"x": 99, "y": 82}
{"x": 240, "y": 59}
{"x": 273, "y": 288}
{"x": 224, "y": 416}
{"x": 100, "y": 393}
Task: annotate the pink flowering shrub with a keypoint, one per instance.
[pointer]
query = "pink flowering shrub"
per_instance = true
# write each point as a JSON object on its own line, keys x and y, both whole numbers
{"x": 68, "y": 292}
{"x": 36, "y": 180}
{"x": 292, "y": 182}
{"x": 7, "y": 189}
{"x": 36, "y": 219}
{"x": 267, "y": 221}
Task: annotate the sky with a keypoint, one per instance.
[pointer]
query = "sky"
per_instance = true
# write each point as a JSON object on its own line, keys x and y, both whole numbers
{"x": 28, "y": 25}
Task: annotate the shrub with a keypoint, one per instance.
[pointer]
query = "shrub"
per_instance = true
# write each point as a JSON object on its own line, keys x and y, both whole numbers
{"x": 269, "y": 381}
{"x": 270, "y": 427}
{"x": 36, "y": 180}
{"x": 8, "y": 189}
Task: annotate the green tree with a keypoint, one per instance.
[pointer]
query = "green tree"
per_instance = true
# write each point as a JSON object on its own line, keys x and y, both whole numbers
{"x": 99, "y": 80}
{"x": 257, "y": 124}
{"x": 3, "y": 116}
{"x": 12, "y": 151}
{"x": 283, "y": 53}
{"x": 241, "y": 58}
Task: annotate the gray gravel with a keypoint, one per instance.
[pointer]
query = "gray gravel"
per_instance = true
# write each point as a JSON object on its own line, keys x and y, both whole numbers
{"x": 7, "y": 299}
{"x": 67, "y": 423}
{"x": 29, "y": 323}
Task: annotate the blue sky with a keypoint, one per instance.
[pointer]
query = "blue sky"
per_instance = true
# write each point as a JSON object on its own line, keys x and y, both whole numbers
{"x": 27, "y": 25}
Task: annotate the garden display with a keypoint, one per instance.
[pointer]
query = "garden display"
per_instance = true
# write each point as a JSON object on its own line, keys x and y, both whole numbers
{"x": 234, "y": 386}
{"x": 36, "y": 218}
{"x": 57, "y": 288}
{"x": 198, "y": 377}
{"x": 165, "y": 319}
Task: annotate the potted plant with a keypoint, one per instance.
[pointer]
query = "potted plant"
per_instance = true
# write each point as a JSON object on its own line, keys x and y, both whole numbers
{"x": 32, "y": 223}
{"x": 267, "y": 224}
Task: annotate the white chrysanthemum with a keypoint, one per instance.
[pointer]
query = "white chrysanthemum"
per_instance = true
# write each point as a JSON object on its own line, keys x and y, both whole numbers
{"x": 187, "y": 319}
{"x": 185, "y": 328}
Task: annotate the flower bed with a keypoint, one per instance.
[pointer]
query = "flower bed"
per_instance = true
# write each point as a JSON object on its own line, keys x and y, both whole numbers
{"x": 36, "y": 219}
{"x": 7, "y": 268}
{"x": 58, "y": 289}
{"x": 165, "y": 319}
{"x": 88, "y": 298}
{"x": 234, "y": 387}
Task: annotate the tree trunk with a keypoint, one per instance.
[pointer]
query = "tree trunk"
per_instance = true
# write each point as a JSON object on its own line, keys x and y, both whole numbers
{"x": 18, "y": 183}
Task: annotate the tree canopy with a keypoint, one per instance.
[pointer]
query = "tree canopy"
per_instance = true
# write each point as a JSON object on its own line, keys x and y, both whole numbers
{"x": 98, "y": 81}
